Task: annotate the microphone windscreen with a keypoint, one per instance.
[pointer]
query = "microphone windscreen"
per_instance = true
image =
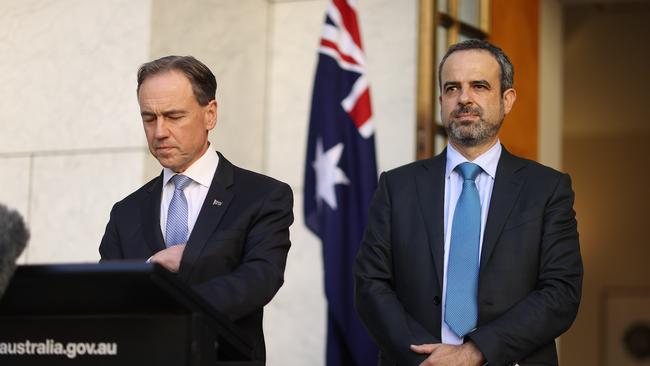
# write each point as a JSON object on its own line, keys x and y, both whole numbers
{"x": 13, "y": 239}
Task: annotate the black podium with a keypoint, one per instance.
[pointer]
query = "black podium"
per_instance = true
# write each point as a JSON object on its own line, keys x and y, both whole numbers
{"x": 117, "y": 313}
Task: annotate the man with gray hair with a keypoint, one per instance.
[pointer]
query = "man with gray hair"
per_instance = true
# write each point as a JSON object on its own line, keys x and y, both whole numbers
{"x": 223, "y": 229}
{"x": 470, "y": 257}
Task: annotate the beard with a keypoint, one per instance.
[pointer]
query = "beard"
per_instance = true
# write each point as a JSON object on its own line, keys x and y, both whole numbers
{"x": 468, "y": 133}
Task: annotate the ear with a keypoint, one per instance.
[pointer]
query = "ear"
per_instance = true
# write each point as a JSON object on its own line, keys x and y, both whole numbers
{"x": 509, "y": 97}
{"x": 210, "y": 115}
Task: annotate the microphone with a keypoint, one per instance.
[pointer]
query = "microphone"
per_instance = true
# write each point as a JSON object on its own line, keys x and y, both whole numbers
{"x": 13, "y": 239}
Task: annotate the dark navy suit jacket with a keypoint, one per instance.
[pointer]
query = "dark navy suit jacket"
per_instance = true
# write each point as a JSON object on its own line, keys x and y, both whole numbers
{"x": 236, "y": 253}
{"x": 530, "y": 275}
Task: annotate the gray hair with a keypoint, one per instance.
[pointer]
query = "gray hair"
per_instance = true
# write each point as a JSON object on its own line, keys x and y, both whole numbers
{"x": 204, "y": 84}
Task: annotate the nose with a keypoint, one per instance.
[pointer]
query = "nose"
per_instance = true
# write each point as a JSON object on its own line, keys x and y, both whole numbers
{"x": 161, "y": 131}
{"x": 465, "y": 98}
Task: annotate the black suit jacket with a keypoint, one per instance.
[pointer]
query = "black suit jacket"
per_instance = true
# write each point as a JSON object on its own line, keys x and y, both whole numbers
{"x": 530, "y": 275}
{"x": 236, "y": 253}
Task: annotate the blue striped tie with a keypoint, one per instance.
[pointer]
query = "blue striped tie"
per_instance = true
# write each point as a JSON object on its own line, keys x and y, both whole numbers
{"x": 461, "y": 309}
{"x": 176, "y": 231}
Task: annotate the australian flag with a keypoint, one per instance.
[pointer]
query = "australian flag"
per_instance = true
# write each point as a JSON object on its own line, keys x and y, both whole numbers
{"x": 341, "y": 176}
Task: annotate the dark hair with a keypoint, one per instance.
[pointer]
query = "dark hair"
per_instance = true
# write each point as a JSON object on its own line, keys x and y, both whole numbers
{"x": 204, "y": 84}
{"x": 507, "y": 71}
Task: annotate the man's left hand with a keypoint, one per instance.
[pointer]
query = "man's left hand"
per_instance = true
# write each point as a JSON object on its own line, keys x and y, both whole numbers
{"x": 169, "y": 258}
{"x": 440, "y": 354}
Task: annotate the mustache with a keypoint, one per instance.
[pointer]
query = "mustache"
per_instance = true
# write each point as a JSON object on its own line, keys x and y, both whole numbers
{"x": 466, "y": 109}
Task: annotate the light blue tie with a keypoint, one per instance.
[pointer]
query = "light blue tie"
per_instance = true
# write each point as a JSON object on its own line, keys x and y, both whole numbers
{"x": 461, "y": 310}
{"x": 176, "y": 231}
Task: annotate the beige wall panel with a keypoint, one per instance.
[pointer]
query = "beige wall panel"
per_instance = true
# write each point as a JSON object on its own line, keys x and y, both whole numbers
{"x": 389, "y": 33}
{"x": 300, "y": 307}
{"x": 230, "y": 37}
{"x": 72, "y": 196}
{"x": 68, "y": 73}
{"x": 14, "y": 194}
{"x": 14, "y": 175}
{"x": 295, "y": 321}
{"x": 293, "y": 56}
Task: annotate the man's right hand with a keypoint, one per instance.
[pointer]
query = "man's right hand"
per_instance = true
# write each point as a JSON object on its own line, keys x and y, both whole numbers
{"x": 169, "y": 258}
{"x": 440, "y": 354}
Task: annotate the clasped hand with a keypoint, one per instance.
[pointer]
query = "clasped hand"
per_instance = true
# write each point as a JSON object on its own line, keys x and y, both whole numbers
{"x": 440, "y": 354}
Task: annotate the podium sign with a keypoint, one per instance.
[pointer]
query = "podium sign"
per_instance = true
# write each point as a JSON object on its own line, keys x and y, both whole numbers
{"x": 109, "y": 314}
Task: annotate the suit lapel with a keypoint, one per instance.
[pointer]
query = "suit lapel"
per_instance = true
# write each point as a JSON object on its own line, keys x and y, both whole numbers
{"x": 430, "y": 185}
{"x": 151, "y": 217}
{"x": 507, "y": 186}
{"x": 215, "y": 205}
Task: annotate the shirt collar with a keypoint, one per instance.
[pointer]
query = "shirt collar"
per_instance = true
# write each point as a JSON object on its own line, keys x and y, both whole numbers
{"x": 488, "y": 161}
{"x": 201, "y": 171}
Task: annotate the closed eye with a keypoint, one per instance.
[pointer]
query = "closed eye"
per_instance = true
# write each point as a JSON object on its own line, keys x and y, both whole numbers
{"x": 146, "y": 117}
{"x": 174, "y": 114}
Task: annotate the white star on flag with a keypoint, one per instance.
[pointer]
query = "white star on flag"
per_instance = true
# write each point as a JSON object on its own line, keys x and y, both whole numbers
{"x": 328, "y": 174}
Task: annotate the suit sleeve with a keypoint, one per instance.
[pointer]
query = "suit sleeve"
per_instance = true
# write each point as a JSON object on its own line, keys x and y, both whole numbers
{"x": 549, "y": 310}
{"x": 110, "y": 246}
{"x": 261, "y": 273}
{"x": 376, "y": 301}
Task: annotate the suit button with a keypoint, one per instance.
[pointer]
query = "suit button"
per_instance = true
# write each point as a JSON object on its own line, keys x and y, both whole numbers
{"x": 436, "y": 300}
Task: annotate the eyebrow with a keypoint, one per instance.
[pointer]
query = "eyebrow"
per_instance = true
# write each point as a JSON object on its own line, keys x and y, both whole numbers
{"x": 473, "y": 82}
{"x": 165, "y": 113}
{"x": 173, "y": 111}
{"x": 480, "y": 82}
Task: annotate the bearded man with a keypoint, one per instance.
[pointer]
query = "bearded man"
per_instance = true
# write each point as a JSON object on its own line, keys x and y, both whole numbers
{"x": 471, "y": 257}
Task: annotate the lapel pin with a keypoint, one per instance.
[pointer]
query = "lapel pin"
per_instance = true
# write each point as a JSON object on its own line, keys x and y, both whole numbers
{"x": 216, "y": 203}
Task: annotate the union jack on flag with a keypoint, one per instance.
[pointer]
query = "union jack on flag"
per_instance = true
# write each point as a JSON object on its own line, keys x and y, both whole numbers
{"x": 341, "y": 176}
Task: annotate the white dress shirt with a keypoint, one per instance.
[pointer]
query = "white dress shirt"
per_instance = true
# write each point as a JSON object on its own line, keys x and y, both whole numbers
{"x": 201, "y": 171}
{"x": 488, "y": 161}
